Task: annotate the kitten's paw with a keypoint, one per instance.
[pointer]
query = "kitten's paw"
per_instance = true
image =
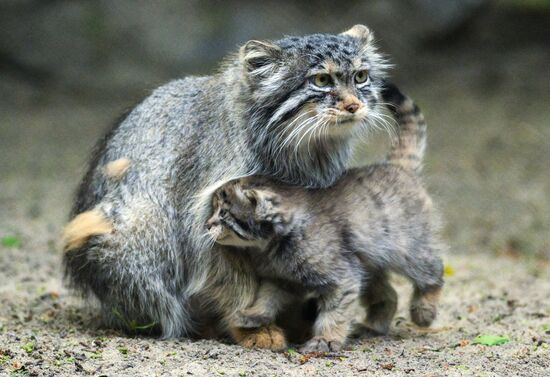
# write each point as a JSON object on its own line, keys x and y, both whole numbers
{"x": 267, "y": 337}
{"x": 320, "y": 344}
{"x": 361, "y": 331}
{"x": 423, "y": 315}
{"x": 249, "y": 319}
{"x": 380, "y": 327}
{"x": 424, "y": 309}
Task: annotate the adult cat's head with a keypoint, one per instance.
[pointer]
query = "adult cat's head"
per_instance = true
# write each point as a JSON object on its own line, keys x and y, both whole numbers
{"x": 308, "y": 98}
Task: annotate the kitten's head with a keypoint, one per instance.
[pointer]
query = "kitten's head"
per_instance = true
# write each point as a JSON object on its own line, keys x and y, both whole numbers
{"x": 246, "y": 217}
{"x": 312, "y": 94}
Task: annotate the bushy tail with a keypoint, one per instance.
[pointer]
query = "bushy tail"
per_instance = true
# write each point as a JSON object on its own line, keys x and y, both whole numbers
{"x": 408, "y": 149}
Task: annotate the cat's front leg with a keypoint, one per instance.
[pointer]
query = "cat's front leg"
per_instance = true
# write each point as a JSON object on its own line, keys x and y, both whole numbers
{"x": 336, "y": 313}
{"x": 254, "y": 326}
{"x": 233, "y": 292}
{"x": 270, "y": 300}
{"x": 379, "y": 299}
{"x": 270, "y": 337}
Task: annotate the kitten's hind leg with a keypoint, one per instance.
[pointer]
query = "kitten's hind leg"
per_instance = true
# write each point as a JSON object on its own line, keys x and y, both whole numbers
{"x": 380, "y": 300}
{"x": 423, "y": 308}
{"x": 425, "y": 269}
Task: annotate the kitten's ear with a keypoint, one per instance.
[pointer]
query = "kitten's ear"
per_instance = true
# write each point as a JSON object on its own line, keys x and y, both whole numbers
{"x": 265, "y": 201}
{"x": 268, "y": 208}
{"x": 255, "y": 197}
{"x": 259, "y": 57}
{"x": 360, "y": 32}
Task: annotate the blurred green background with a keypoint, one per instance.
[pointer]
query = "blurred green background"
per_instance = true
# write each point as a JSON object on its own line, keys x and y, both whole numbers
{"x": 480, "y": 70}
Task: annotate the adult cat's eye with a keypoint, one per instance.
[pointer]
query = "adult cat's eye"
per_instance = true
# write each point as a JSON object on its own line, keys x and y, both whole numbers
{"x": 321, "y": 80}
{"x": 361, "y": 76}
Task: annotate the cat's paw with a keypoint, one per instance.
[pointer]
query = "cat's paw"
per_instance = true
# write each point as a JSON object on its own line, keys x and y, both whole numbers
{"x": 423, "y": 315}
{"x": 250, "y": 319}
{"x": 320, "y": 344}
{"x": 424, "y": 309}
{"x": 267, "y": 337}
{"x": 361, "y": 331}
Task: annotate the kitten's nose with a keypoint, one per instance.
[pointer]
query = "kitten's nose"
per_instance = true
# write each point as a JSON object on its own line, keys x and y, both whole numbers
{"x": 210, "y": 223}
{"x": 352, "y": 107}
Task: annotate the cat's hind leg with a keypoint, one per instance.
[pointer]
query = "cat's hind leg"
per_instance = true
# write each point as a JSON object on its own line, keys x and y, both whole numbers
{"x": 379, "y": 299}
{"x": 424, "y": 268}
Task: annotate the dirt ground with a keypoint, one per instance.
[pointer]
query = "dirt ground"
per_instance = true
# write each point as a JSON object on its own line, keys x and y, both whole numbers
{"x": 488, "y": 169}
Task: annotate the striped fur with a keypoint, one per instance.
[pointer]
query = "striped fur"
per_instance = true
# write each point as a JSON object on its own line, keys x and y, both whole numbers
{"x": 260, "y": 114}
{"x": 410, "y": 144}
{"x": 338, "y": 244}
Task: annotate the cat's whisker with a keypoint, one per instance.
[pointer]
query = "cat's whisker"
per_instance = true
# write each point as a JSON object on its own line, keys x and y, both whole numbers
{"x": 295, "y": 133}
{"x": 323, "y": 120}
{"x": 311, "y": 134}
{"x": 289, "y": 125}
{"x": 314, "y": 135}
{"x": 322, "y": 134}
{"x": 299, "y": 129}
{"x": 388, "y": 126}
{"x": 278, "y": 147}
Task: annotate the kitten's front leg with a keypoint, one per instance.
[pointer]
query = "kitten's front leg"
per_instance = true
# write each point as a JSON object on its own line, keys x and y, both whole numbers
{"x": 336, "y": 313}
{"x": 380, "y": 300}
{"x": 270, "y": 299}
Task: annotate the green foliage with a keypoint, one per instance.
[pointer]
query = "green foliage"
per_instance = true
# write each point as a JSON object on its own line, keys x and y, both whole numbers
{"x": 291, "y": 351}
{"x": 133, "y": 325}
{"x": 10, "y": 241}
{"x": 28, "y": 347}
{"x": 491, "y": 340}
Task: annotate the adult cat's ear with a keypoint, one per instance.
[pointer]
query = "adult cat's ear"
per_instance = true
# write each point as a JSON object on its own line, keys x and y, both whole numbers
{"x": 259, "y": 57}
{"x": 360, "y": 32}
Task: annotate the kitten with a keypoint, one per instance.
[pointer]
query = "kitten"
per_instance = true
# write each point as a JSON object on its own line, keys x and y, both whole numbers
{"x": 337, "y": 244}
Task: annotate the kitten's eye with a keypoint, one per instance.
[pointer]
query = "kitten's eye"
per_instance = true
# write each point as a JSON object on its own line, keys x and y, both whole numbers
{"x": 361, "y": 76}
{"x": 321, "y": 80}
{"x": 251, "y": 197}
{"x": 223, "y": 194}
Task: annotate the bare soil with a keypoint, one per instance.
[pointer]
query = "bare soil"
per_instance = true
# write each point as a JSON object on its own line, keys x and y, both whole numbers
{"x": 488, "y": 169}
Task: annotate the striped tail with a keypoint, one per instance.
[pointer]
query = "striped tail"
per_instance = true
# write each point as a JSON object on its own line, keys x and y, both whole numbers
{"x": 408, "y": 149}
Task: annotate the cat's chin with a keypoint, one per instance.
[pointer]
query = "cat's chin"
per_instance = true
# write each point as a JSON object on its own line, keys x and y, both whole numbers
{"x": 342, "y": 128}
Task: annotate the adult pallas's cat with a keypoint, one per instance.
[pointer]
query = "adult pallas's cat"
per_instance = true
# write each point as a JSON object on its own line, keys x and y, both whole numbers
{"x": 289, "y": 109}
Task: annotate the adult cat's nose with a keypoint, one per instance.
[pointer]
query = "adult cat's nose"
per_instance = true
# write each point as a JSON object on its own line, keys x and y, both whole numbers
{"x": 350, "y": 103}
{"x": 352, "y": 107}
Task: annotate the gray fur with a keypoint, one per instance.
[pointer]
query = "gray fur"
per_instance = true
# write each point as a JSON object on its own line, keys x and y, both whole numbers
{"x": 338, "y": 243}
{"x": 186, "y": 138}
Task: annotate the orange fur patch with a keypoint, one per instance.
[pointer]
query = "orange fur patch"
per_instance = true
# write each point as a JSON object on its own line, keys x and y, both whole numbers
{"x": 116, "y": 169}
{"x": 268, "y": 337}
{"x": 82, "y": 227}
{"x": 432, "y": 297}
